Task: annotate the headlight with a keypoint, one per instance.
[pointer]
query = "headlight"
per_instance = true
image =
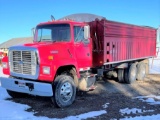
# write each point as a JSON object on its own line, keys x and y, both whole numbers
{"x": 4, "y": 65}
{"x": 46, "y": 70}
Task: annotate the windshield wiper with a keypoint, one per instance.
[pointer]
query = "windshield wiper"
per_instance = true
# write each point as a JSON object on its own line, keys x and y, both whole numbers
{"x": 46, "y": 40}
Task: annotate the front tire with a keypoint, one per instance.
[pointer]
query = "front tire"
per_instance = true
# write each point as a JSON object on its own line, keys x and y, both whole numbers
{"x": 64, "y": 91}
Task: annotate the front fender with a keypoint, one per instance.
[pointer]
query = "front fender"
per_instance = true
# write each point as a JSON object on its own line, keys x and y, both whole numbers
{"x": 54, "y": 65}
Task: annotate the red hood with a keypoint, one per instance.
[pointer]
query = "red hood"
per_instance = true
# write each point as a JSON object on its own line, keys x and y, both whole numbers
{"x": 47, "y": 48}
{"x": 40, "y": 44}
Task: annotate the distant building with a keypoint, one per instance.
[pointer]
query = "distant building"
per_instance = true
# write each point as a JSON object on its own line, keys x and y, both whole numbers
{"x": 14, "y": 41}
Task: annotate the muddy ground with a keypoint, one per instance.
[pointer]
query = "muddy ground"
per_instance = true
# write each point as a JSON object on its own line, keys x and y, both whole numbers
{"x": 118, "y": 95}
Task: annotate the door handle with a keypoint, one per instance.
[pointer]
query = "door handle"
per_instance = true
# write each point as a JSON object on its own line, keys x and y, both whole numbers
{"x": 69, "y": 53}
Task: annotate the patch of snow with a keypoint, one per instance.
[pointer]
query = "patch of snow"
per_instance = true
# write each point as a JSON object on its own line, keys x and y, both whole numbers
{"x": 105, "y": 105}
{"x": 130, "y": 111}
{"x": 86, "y": 115}
{"x": 3, "y": 94}
{"x": 150, "y": 99}
{"x": 154, "y": 65}
{"x": 133, "y": 111}
{"x": 15, "y": 111}
{"x": 152, "y": 117}
{"x": 148, "y": 110}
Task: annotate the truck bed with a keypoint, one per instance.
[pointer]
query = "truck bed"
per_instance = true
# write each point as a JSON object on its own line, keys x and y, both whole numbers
{"x": 115, "y": 42}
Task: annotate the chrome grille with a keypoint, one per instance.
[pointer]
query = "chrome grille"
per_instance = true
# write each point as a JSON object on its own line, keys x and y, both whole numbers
{"x": 23, "y": 62}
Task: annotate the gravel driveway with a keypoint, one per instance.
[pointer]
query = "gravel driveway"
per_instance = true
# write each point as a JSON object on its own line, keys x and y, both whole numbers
{"x": 111, "y": 96}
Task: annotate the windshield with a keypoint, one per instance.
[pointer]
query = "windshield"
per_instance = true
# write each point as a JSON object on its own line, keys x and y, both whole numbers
{"x": 54, "y": 32}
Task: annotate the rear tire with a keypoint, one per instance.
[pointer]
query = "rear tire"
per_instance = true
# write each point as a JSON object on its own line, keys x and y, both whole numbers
{"x": 141, "y": 71}
{"x": 64, "y": 90}
{"x": 16, "y": 94}
{"x": 130, "y": 73}
{"x": 121, "y": 75}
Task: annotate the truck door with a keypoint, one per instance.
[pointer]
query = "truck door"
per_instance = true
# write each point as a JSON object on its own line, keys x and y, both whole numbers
{"x": 82, "y": 47}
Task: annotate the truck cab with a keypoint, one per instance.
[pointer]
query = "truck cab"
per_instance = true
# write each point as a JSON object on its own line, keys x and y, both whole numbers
{"x": 50, "y": 65}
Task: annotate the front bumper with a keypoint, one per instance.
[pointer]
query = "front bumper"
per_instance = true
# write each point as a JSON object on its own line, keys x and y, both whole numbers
{"x": 29, "y": 87}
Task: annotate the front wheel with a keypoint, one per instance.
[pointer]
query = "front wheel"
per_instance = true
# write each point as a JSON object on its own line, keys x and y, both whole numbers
{"x": 64, "y": 91}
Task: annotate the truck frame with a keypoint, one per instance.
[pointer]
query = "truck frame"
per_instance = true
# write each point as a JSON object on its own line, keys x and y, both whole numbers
{"x": 68, "y": 56}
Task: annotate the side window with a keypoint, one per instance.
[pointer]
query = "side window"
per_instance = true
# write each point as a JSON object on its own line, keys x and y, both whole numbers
{"x": 78, "y": 33}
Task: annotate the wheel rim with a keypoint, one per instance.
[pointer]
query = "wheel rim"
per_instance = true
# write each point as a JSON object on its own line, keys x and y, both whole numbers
{"x": 66, "y": 92}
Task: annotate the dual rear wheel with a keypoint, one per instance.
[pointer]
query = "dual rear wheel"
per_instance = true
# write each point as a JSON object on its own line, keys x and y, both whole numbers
{"x": 133, "y": 72}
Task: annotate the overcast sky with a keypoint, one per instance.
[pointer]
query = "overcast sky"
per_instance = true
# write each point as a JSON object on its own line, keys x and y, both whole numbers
{"x": 17, "y": 17}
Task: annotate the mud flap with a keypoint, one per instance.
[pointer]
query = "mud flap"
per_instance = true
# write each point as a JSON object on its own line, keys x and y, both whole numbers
{"x": 87, "y": 84}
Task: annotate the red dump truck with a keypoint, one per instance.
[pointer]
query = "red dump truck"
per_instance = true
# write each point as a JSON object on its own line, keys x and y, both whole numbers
{"x": 69, "y": 55}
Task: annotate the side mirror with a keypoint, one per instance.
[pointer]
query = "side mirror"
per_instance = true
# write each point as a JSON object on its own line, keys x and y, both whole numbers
{"x": 86, "y": 32}
{"x": 33, "y": 32}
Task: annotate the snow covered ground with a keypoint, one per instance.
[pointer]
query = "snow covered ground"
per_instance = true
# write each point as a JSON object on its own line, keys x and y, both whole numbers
{"x": 155, "y": 66}
{"x": 10, "y": 110}
{"x": 151, "y": 99}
